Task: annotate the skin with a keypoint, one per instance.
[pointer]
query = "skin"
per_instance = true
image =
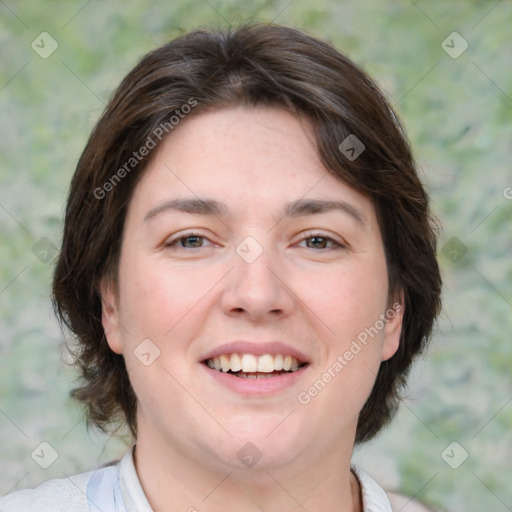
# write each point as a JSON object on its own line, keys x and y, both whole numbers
{"x": 197, "y": 294}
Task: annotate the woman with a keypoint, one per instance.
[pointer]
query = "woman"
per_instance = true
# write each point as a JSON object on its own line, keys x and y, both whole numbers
{"x": 248, "y": 265}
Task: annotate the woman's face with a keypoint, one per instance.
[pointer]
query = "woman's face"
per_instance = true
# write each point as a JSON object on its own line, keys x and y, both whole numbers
{"x": 239, "y": 251}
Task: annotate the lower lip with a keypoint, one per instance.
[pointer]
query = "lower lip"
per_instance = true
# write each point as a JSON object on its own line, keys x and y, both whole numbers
{"x": 256, "y": 387}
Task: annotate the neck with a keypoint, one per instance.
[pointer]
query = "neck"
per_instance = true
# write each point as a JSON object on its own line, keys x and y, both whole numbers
{"x": 170, "y": 476}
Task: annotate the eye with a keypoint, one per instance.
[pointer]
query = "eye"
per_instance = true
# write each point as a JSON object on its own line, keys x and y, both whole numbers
{"x": 320, "y": 241}
{"x": 187, "y": 241}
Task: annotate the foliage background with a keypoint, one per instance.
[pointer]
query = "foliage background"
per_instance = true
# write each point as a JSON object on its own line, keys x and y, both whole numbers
{"x": 458, "y": 114}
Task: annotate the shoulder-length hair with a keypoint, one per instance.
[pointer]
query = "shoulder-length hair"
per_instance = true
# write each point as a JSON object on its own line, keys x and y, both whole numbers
{"x": 255, "y": 64}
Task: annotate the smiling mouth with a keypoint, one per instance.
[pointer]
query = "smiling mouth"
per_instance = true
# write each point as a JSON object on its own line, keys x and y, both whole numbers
{"x": 249, "y": 366}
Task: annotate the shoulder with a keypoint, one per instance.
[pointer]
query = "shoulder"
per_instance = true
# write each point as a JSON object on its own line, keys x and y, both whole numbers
{"x": 63, "y": 494}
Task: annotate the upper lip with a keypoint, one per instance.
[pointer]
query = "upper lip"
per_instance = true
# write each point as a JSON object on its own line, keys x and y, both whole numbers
{"x": 255, "y": 348}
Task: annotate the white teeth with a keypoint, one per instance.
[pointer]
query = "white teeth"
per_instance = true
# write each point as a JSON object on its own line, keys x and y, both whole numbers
{"x": 249, "y": 363}
{"x": 236, "y": 363}
{"x": 266, "y": 364}
{"x": 225, "y": 363}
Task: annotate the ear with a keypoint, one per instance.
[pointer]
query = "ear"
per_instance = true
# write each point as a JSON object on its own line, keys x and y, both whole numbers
{"x": 393, "y": 329}
{"x": 109, "y": 316}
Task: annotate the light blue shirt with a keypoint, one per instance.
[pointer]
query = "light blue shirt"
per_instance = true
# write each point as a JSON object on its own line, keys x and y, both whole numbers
{"x": 117, "y": 488}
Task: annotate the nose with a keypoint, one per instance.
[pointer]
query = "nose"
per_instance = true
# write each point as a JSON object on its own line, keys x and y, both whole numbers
{"x": 258, "y": 290}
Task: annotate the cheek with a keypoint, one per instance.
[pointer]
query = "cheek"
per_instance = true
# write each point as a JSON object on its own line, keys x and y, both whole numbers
{"x": 147, "y": 309}
{"x": 346, "y": 301}
{"x": 147, "y": 305}
{"x": 154, "y": 309}
{"x": 349, "y": 304}
{"x": 159, "y": 299}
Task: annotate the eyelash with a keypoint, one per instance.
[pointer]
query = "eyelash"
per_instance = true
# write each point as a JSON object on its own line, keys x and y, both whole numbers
{"x": 174, "y": 242}
{"x": 335, "y": 245}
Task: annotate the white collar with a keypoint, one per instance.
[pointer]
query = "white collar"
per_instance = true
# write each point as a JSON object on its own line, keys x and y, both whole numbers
{"x": 374, "y": 497}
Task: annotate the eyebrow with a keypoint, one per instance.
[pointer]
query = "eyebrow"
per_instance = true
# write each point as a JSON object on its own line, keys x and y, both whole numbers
{"x": 301, "y": 207}
{"x": 313, "y": 206}
{"x": 195, "y": 206}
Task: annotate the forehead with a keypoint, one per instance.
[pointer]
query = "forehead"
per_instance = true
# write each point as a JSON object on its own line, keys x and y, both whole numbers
{"x": 246, "y": 157}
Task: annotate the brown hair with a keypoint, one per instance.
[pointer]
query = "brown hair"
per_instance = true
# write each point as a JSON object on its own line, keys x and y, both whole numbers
{"x": 255, "y": 64}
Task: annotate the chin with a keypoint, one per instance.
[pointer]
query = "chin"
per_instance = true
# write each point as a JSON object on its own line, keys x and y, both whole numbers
{"x": 261, "y": 445}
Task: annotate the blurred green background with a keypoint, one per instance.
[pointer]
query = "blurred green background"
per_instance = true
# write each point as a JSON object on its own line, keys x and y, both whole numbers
{"x": 456, "y": 103}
